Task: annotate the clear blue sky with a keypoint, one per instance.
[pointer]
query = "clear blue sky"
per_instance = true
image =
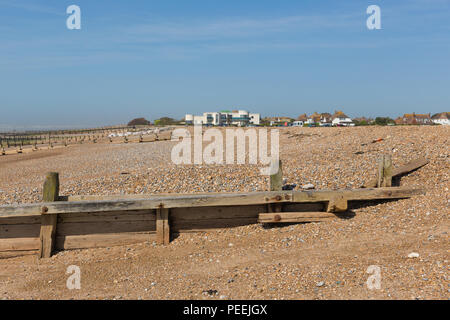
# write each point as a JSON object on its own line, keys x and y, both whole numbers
{"x": 167, "y": 58}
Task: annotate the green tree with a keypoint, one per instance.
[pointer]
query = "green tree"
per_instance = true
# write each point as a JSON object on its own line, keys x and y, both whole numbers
{"x": 383, "y": 121}
{"x": 139, "y": 122}
{"x": 165, "y": 121}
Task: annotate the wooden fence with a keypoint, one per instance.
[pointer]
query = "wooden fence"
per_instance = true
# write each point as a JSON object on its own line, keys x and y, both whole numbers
{"x": 14, "y": 144}
{"x": 75, "y": 222}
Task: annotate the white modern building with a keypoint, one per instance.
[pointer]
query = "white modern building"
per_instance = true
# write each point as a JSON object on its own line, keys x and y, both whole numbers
{"x": 239, "y": 117}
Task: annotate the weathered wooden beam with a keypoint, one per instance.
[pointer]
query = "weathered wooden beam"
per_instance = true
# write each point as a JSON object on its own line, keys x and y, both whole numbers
{"x": 410, "y": 166}
{"x": 92, "y": 197}
{"x": 19, "y": 244}
{"x": 357, "y": 194}
{"x": 217, "y": 199}
{"x": 101, "y": 240}
{"x": 289, "y": 217}
{"x": 48, "y": 221}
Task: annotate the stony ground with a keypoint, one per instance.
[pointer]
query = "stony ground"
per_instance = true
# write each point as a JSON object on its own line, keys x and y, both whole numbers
{"x": 326, "y": 260}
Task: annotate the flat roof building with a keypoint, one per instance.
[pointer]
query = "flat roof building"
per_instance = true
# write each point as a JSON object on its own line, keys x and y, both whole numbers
{"x": 240, "y": 118}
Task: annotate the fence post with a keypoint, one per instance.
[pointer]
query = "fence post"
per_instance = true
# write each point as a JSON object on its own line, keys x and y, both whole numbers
{"x": 162, "y": 226}
{"x": 275, "y": 184}
{"x": 384, "y": 176}
{"x": 276, "y": 179}
{"x": 48, "y": 221}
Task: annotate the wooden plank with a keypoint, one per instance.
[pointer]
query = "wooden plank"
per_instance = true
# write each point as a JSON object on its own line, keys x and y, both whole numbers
{"x": 287, "y": 217}
{"x": 410, "y": 166}
{"x": 204, "y": 213}
{"x": 19, "y": 231}
{"x": 184, "y": 201}
{"x": 138, "y": 215}
{"x": 21, "y": 220}
{"x": 303, "y": 207}
{"x": 19, "y": 244}
{"x": 358, "y": 194}
{"x": 99, "y": 227}
{"x": 92, "y": 197}
{"x": 102, "y": 240}
{"x": 48, "y": 221}
{"x": 210, "y": 224}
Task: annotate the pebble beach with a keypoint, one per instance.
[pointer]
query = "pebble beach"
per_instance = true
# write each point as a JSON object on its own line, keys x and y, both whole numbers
{"x": 327, "y": 260}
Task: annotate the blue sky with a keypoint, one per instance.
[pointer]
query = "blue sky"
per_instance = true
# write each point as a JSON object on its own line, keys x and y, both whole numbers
{"x": 167, "y": 58}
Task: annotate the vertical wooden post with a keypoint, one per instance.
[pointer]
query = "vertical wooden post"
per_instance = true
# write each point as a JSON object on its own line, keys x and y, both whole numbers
{"x": 380, "y": 171}
{"x": 48, "y": 221}
{"x": 276, "y": 179}
{"x": 387, "y": 171}
{"x": 162, "y": 226}
{"x": 337, "y": 203}
{"x": 275, "y": 184}
{"x": 384, "y": 175}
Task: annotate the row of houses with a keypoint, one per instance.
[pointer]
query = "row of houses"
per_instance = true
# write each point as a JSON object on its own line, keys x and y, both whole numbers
{"x": 339, "y": 118}
{"x": 244, "y": 118}
{"x": 442, "y": 118}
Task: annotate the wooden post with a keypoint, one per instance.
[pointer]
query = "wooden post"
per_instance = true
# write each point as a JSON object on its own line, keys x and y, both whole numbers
{"x": 275, "y": 184}
{"x": 337, "y": 203}
{"x": 380, "y": 171}
{"x": 162, "y": 226}
{"x": 48, "y": 221}
{"x": 384, "y": 175}
{"x": 387, "y": 171}
{"x": 276, "y": 179}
